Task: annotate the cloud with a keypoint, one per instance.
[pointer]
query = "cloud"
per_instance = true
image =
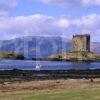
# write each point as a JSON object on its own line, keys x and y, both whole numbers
{"x": 88, "y": 22}
{"x": 33, "y": 25}
{"x": 6, "y": 6}
{"x": 91, "y": 2}
{"x": 11, "y": 27}
{"x": 71, "y": 3}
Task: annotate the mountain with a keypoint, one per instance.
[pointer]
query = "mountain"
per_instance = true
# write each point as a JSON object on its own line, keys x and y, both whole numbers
{"x": 37, "y": 47}
{"x": 95, "y": 47}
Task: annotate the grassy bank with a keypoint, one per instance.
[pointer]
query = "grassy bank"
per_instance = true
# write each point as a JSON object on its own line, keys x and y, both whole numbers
{"x": 71, "y": 89}
{"x": 74, "y": 94}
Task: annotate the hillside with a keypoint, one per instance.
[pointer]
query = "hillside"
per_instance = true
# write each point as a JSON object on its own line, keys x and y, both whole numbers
{"x": 37, "y": 47}
{"x": 95, "y": 47}
{"x": 11, "y": 55}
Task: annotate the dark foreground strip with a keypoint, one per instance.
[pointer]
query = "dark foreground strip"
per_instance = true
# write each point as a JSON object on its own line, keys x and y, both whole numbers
{"x": 28, "y": 75}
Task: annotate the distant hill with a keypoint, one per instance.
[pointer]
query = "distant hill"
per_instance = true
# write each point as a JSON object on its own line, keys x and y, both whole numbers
{"x": 37, "y": 47}
{"x": 95, "y": 47}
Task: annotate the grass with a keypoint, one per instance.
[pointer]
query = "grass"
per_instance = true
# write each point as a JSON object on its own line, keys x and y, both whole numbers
{"x": 68, "y": 94}
{"x": 71, "y": 89}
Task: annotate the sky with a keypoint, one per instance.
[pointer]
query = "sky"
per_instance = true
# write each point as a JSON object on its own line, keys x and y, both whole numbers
{"x": 20, "y": 18}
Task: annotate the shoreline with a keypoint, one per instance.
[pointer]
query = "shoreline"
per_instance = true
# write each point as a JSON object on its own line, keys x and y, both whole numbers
{"x": 32, "y": 75}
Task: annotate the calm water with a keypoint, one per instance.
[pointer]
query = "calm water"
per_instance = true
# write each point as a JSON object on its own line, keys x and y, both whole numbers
{"x": 46, "y": 65}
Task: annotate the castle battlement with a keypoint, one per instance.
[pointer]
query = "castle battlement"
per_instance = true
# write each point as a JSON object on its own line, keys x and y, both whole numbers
{"x": 82, "y": 35}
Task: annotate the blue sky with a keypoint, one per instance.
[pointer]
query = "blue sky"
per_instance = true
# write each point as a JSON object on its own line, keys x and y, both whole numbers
{"x": 27, "y": 7}
{"x": 20, "y": 18}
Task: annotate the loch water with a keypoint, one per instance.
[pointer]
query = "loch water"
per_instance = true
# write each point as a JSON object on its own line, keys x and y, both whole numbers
{"x": 47, "y": 65}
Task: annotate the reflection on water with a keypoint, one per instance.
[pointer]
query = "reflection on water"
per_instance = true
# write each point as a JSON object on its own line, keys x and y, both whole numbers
{"x": 82, "y": 65}
{"x": 80, "y": 62}
{"x": 47, "y": 65}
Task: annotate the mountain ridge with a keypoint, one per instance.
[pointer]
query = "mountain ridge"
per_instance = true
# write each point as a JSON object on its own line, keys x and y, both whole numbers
{"x": 40, "y": 46}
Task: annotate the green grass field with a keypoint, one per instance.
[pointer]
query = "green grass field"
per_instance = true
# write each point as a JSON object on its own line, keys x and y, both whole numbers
{"x": 72, "y": 94}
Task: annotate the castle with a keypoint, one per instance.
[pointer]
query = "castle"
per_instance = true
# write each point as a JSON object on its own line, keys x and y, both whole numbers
{"x": 80, "y": 50}
{"x": 81, "y": 42}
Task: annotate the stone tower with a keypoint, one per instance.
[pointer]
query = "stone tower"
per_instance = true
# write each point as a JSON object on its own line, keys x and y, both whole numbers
{"x": 81, "y": 42}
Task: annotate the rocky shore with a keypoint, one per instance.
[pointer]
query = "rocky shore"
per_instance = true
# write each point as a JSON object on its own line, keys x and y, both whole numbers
{"x": 76, "y": 56}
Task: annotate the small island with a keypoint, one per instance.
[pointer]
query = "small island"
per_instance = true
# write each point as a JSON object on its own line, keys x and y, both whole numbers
{"x": 11, "y": 55}
{"x": 80, "y": 50}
